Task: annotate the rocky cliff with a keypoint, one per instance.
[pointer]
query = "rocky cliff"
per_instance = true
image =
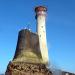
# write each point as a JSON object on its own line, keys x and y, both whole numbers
{"x": 22, "y": 68}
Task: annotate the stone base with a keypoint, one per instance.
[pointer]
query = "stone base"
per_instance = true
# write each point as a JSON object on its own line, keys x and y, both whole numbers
{"x": 22, "y": 68}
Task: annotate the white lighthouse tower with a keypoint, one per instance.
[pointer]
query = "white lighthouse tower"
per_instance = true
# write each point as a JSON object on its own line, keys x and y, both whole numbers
{"x": 41, "y": 31}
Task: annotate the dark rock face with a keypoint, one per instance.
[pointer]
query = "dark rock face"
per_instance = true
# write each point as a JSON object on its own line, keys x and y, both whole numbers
{"x": 27, "y": 49}
{"x": 22, "y": 68}
{"x": 27, "y": 41}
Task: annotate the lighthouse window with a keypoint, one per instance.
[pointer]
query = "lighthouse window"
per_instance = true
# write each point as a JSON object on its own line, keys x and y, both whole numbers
{"x": 40, "y": 35}
{"x": 41, "y": 26}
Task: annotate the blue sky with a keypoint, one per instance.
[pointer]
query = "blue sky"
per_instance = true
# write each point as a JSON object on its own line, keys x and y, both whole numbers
{"x": 17, "y": 14}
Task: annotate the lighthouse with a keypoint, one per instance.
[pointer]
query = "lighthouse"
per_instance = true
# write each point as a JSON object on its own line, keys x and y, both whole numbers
{"x": 31, "y": 54}
{"x": 41, "y": 31}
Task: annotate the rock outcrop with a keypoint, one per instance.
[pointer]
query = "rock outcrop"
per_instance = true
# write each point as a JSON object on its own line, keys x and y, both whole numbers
{"x": 22, "y": 68}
